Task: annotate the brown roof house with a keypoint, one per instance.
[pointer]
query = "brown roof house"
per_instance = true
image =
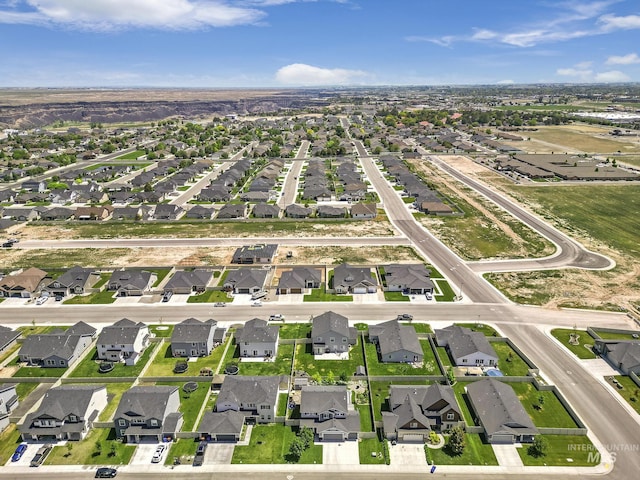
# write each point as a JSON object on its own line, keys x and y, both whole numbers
{"x": 23, "y": 284}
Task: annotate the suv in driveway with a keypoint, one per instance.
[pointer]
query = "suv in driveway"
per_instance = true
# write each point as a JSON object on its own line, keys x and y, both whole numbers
{"x": 198, "y": 460}
{"x": 41, "y": 454}
{"x": 157, "y": 455}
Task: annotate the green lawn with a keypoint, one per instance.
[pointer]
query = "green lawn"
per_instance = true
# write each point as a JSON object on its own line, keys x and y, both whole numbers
{"x": 164, "y": 361}
{"x": 86, "y": 452}
{"x": 444, "y": 356}
{"x": 321, "y": 295}
{"x": 629, "y": 391}
{"x": 329, "y": 370}
{"x": 89, "y": 366}
{"x": 295, "y": 330}
{"x": 447, "y": 292}
{"x": 551, "y": 414}
{"x": 366, "y": 424}
{"x": 463, "y": 402}
{"x": 476, "y": 452}
{"x": 161, "y": 273}
{"x": 396, "y": 297}
{"x": 283, "y": 403}
{"x": 509, "y": 362}
{"x": 615, "y": 336}
{"x": 34, "y": 372}
{"x": 281, "y": 365}
{"x": 564, "y": 451}
{"x": 24, "y": 389}
{"x": 580, "y": 351}
{"x": 429, "y": 366}
{"x": 131, "y": 155}
{"x": 190, "y": 403}
{"x": 270, "y": 444}
{"x": 366, "y": 448}
{"x": 104, "y": 278}
{"x": 163, "y": 331}
{"x": 210, "y": 296}
{"x": 420, "y": 327}
{"x": 480, "y": 327}
{"x": 10, "y": 351}
{"x": 98, "y": 298}
{"x": 9, "y": 440}
{"x": 114, "y": 394}
{"x": 184, "y": 449}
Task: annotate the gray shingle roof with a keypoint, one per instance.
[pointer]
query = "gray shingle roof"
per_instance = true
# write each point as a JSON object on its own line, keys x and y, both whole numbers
{"x": 145, "y": 402}
{"x": 122, "y": 332}
{"x": 463, "y": 341}
{"x": 257, "y": 330}
{"x": 192, "y": 330}
{"x": 392, "y": 337}
{"x": 228, "y": 422}
{"x": 242, "y": 390}
{"x": 322, "y": 398}
{"x": 59, "y": 402}
{"x": 330, "y": 322}
{"x": 297, "y": 277}
{"x": 190, "y": 279}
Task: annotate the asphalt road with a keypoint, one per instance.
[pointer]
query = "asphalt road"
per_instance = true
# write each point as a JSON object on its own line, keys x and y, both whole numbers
{"x": 290, "y": 187}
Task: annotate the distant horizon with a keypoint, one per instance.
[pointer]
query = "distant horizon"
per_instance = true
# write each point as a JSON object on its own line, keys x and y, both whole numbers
{"x": 316, "y": 43}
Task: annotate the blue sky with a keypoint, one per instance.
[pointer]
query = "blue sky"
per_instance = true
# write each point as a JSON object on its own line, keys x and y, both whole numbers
{"x": 285, "y": 43}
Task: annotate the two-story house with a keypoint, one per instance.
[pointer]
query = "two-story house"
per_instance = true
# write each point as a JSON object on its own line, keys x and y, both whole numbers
{"x": 329, "y": 412}
{"x": 330, "y": 333}
{"x": 256, "y": 397}
{"x": 258, "y": 339}
{"x": 8, "y": 403}
{"x": 193, "y": 338}
{"x": 148, "y": 414}
{"x": 66, "y": 412}
{"x": 60, "y": 348}
{"x": 416, "y": 410}
{"x": 466, "y": 347}
{"x": 124, "y": 341}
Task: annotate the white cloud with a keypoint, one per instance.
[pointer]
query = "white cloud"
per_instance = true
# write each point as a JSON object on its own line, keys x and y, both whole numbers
{"x": 483, "y": 34}
{"x": 612, "y": 22}
{"x": 612, "y": 76}
{"x": 575, "y": 72}
{"x": 628, "y": 59}
{"x": 303, "y": 74}
{"x": 115, "y": 14}
{"x": 505, "y": 82}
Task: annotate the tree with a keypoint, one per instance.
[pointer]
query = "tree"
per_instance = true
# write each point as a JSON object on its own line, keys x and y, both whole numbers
{"x": 306, "y": 434}
{"x": 69, "y": 448}
{"x": 295, "y": 450}
{"x": 113, "y": 449}
{"x": 539, "y": 447}
{"x": 457, "y": 441}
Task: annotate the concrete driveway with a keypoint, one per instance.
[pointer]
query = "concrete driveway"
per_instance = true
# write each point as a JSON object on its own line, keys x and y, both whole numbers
{"x": 219, "y": 454}
{"x": 407, "y": 454}
{"x": 507, "y": 455}
{"x": 144, "y": 452}
{"x": 340, "y": 453}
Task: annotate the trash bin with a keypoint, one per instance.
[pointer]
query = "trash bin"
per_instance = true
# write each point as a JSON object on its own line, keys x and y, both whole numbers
{"x": 433, "y": 469}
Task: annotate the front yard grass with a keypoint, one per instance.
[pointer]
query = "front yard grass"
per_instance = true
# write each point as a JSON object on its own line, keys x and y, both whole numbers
{"x": 328, "y": 369}
{"x": 24, "y": 389}
{"x": 367, "y": 447}
{"x": 321, "y": 295}
{"x": 509, "y": 362}
{"x": 396, "y": 297}
{"x": 563, "y": 451}
{"x": 164, "y": 361}
{"x": 190, "y": 403}
{"x": 9, "y": 440}
{"x": 270, "y": 444}
{"x": 629, "y": 391}
{"x": 580, "y": 350}
{"x": 86, "y": 452}
{"x": 210, "y": 296}
{"x": 447, "y": 293}
{"x": 615, "y": 335}
{"x": 184, "y": 449}
{"x": 295, "y": 330}
{"x": 99, "y": 298}
{"x": 281, "y": 365}
{"x": 551, "y": 413}
{"x": 88, "y": 368}
{"x": 476, "y": 452}
{"x": 429, "y": 365}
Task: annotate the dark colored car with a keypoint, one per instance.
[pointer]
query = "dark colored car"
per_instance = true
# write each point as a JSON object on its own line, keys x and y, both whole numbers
{"x": 17, "y": 455}
{"x": 40, "y": 455}
{"x": 105, "y": 472}
{"x": 198, "y": 460}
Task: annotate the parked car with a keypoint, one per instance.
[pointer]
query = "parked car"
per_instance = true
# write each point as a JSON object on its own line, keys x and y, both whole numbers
{"x": 257, "y": 303}
{"x": 20, "y": 449}
{"x": 106, "y": 472}
{"x": 220, "y": 304}
{"x": 405, "y": 316}
{"x": 157, "y": 455}
{"x": 41, "y": 300}
{"x": 258, "y": 295}
{"x": 58, "y": 298}
{"x": 167, "y": 296}
{"x": 40, "y": 455}
{"x": 7, "y": 245}
{"x": 198, "y": 460}
{"x": 278, "y": 317}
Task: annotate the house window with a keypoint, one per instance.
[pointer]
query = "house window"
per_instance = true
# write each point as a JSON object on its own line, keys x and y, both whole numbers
{"x": 450, "y": 416}
{"x": 413, "y": 425}
{"x": 344, "y": 339}
{"x": 153, "y": 422}
{"x": 73, "y": 418}
{"x": 122, "y": 423}
{"x": 464, "y": 360}
{"x": 332, "y": 340}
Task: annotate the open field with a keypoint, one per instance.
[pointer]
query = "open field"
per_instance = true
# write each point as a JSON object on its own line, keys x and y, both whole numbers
{"x": 484, "y": 231}
{"x": 579, "y": 138}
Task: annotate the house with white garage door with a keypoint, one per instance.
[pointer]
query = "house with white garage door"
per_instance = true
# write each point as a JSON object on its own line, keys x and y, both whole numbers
{"x": 349, "y": 279}
{"x": 328, "y": 411}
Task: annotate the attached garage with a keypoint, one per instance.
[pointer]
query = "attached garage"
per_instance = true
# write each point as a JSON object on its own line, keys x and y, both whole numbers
{"x": 226, "y": 438}
{"x": 333, "y": 437}
{"x": 295, "y": 290}
{"x": 357, "y": 290}
{"x": 501, "y": 439}
{"x": 412, "y": 438}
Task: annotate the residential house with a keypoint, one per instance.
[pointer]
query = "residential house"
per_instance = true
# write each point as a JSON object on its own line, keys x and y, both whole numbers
{"x": 221, "y": 426}
{"x": 215, "y": 193}
{"x": 410, "y": 279}
{"x": 127, "y": 213}
{"x": 124, "y": 341}
{"x": 328, "y": 410}
{"x": 8, "y": 338}
{"x": 60, "y": 348}
{"x": 255, "y": 397}
{"x": 128, "y": 283}
{"x": 435, "y": 208}
{"x": 189, "y": 281}
{"x": 298, "y": 280}
{"x": 327, "y": 211}
{"x": 500, "y": 413}
{"x": 199, "y": 212}
{"x": 417, "y": 410}
{"x": 245, "y": 280}
{"x": 257, "y": 339}
{"x": 258, "y": 253}
{"x": 39, "y": 186}
{"x": 148, "y": 414}
{"x": 622, "y": 354}
{"x": 330, "y": 333}
{"x": 297, "y": 211}
{"x": 193, "y": 338}
{"x": 66, "y": 412}
{"x": 466, "y": 347}
{"x": 74, "y": 281}
{"x": 93, "y": 213}
{"x": 56, "y": 214}
{"x": 167, "y": 211}
{"x": 232, "y": 210}
{"x": 349, "y": 279}
{"x": 265, "y": 210}
{"x": 21, "y": 214}
{"x": 24, "y": 284}
{"x": 364, "y": 211}
{"x": 396, "y": 343}
{"x": 8, "y": 403}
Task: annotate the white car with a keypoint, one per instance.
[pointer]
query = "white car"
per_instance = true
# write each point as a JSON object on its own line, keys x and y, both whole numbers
{"x": 257, "y": 303}
{"x": 41, "y": 300}
{"x": 157, "y": 455}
